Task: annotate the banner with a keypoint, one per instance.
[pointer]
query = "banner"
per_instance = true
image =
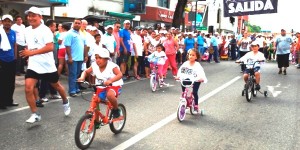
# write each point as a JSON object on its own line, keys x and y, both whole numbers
{"x": 249, "y": 7}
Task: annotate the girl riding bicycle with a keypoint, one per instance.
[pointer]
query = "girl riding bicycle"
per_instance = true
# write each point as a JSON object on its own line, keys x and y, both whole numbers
{"x": 192, "y": 70}
{"x": 110, "y": 73}
{"x": 158, "y": 58}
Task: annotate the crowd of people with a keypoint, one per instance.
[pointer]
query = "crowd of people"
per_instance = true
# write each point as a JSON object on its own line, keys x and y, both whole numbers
{"x": 50, "y": 50}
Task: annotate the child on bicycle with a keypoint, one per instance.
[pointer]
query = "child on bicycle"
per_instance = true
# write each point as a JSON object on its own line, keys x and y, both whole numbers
{"x": 158, "y": 58}
{"x": 192, "y": 70}
{"x": 110, "y": 73}
{"x": 253, "y": 56}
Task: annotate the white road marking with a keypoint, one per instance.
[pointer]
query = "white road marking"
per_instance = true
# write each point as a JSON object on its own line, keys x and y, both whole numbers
{"x": 168, "y": 119}
{"x": 272, "y": 90}
{"x": 52, "y": 101}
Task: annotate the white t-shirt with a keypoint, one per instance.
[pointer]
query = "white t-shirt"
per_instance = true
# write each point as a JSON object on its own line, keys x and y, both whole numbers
{"x": 20, "y": 33}
{"x": 35, "y": 39}
{"x": 106, "y": 74}
{"x": 195, "y": 72}
{"x": 137, "y": 40}
{"x": 158, "y": 57}
{"x": 94, "y": 48}
{"x": 250, "y": 58}
{"x": 260, "y": 41}
{"x": 109, "y": 41}
{"x": 62, "y": 37}
{"x": 245, "y": 44}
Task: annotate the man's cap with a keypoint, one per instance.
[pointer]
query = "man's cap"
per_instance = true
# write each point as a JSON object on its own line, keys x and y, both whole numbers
{"x": 92, "y": 28}
{"x": 255, "y": 43}
{"x": 102, "y": 52}
{"x": 137, "y": 28}
{"x": 109, "y": 26}
{"x": 7, "y": 17}
{"x": 34, "y": 10}
{"x": 282, "y": 29}
{"x": 173, "y": 28}
{"x": 126, "y": 21}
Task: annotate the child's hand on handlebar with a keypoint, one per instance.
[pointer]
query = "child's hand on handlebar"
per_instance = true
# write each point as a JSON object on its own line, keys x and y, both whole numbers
{"x": 200, "y": 80}
{"x": 107, "y": 82}
{"x": 80, "y": 80}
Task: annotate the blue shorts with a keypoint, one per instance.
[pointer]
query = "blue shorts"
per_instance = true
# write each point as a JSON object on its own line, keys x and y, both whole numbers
{"x": 256, "y": 69}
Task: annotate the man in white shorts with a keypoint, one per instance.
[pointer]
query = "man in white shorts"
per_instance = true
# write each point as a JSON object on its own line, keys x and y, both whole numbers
{"x": 41, "y": 65}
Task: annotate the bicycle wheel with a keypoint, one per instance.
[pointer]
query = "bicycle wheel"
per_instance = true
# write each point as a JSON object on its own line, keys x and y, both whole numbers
{"x": 181, "y": 111}
{"x": 254, "y": 91}
{"x": 117, "y": 125}
{"x": 248, "y": 91}
{"x": 153, "y": 83}
{"x": 84, "y": 133}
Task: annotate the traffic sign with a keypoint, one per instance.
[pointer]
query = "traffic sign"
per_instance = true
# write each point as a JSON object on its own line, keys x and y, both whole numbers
{"x": 202, "y": 28}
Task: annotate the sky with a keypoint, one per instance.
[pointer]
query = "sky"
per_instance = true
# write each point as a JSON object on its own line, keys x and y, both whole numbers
{"x": 286, "y": 17}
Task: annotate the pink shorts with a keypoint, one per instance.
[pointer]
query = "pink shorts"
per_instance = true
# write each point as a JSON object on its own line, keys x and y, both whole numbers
{"x": 61, "y": 53}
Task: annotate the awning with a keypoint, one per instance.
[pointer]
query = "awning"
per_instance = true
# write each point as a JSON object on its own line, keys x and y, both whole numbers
{"x": 92, "y": 18}
{"x": 120, "y": 15}
{"x": 43, "y": 3}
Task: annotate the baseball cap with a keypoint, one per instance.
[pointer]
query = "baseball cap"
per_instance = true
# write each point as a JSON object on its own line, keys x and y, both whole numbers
{"x": 173, "y": 28}
{"x": 126, "y": 21}
{"x": 138, "y": 28}
{"x": 109, "y": 26}
{"x": 34, "y": 10}
{"x": 102, "y": 52}
{"x": 255, "y": 43}
{"x": 282, "y": 29}
{"x": 7, "y": 17}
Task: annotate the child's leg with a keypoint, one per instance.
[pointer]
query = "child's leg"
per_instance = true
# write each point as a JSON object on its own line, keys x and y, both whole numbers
{"x": 160, "y": 69}
{"x": 195, "y": 91}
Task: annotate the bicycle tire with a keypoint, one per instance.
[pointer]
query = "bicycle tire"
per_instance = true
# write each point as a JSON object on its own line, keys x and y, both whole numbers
{"x": 181, "y": 111}
{"x": 248, "y": 91}
{"x": 80, "y": 144}
{"x": 121, "y": 123}
{"x": 153, "y": 83}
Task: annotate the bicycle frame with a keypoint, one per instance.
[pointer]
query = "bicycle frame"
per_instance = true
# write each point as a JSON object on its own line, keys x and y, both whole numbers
{"x": 184, "y": 94}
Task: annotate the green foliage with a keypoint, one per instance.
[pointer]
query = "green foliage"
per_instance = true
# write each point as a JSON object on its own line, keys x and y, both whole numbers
{"x": 253, "y": 28}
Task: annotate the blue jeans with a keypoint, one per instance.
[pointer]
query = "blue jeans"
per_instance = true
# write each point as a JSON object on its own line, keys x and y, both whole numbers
{"x": 216, "y": 54}
{"x": 74, "y": 72}
{"x": 201, "y": 49}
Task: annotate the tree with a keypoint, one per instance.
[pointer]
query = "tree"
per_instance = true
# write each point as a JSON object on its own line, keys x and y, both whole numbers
{"x": 178, "y": 17}
{"x": 253, "y": 28}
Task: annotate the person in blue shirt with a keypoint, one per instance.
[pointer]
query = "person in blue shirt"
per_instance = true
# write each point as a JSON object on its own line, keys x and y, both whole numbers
{"x": 76, "y": 51}
{"x": 189, "y": 43}
{"x": 124, "y": 47}
{"x": 200, "y": 43}
{"x": 8, "y": 65}
{"x": 214, "y": 44}
{"x": 282, "y": 47}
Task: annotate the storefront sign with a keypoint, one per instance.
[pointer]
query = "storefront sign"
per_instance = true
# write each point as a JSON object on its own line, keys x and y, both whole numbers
{"x": 158, "y": 14}
{"x": 59, "y": 1}
{"x": 249, "y": 7}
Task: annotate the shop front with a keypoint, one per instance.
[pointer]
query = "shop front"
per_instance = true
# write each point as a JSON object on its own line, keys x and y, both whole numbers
{"x": 155, "y": 15}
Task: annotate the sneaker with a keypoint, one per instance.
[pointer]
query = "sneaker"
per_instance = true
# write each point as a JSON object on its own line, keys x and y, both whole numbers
{"x": 257, "y": 87}
{"x": 196, "y": 109}
{"x": 73, "y": 95}
{"x": 39, "y": 103}
{"x": 45, "y": 99}
{"x": 34, "y": 118}
{"x": 115, "y": 113}
{"x": 67, "y": 108}
{"x": 284, "y": 72}
{"x": 55, "y": 97}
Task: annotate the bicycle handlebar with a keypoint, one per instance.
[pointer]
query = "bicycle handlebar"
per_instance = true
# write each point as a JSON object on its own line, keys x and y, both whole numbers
{"x": 87, "y": 84}
{"x": 185, "y": 80}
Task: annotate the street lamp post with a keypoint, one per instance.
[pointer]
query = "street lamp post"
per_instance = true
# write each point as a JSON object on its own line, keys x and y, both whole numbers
{"x": 196, "y": 15}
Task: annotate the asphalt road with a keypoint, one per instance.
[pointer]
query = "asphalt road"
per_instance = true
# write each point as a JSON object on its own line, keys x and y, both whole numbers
{"x": 229, "y": 121}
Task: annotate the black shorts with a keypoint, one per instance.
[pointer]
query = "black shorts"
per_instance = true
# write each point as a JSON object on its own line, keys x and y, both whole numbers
{"x": 123, "y": 57}
{"x": 50, "y": 77}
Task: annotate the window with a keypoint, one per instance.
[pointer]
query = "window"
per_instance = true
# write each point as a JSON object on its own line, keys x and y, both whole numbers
{"x": 163, "y": 3}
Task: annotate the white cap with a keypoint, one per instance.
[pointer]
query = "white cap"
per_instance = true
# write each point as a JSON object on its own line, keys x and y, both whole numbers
{"x": 173, "y": 28}
{"x": 102, "y": 52}
{"x": 109, "y": 26}
{"x": 34, "y": 10}
{"x": 91, "y": 28}
{"x": 255, "y": 43}
{"x": 126, "y": 21}
{"x": 7, "y": 17}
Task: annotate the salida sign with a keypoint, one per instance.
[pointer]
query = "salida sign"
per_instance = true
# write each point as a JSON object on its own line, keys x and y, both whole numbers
{"x": 249, "y": 7}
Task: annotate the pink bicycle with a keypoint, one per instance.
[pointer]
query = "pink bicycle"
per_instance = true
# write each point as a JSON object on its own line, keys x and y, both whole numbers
{"x": 186, "y": 100}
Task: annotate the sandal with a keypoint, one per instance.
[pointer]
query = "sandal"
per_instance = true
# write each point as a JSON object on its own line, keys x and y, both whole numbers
{"x": 137, "y": 77}
{"x": 55, "y": 97}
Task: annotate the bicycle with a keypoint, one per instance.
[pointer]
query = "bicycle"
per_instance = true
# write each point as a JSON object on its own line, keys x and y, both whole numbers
{"x": 86, "y": 127}
{"x": 249, "y": 89}
{"x": 186, "y": 101}
{"x": 154, "y": 77}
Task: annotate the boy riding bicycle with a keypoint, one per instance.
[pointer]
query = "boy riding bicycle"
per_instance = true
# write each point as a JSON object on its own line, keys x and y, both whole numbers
{"x": 110, "y": 73}
{"x": 253, "y": 56}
